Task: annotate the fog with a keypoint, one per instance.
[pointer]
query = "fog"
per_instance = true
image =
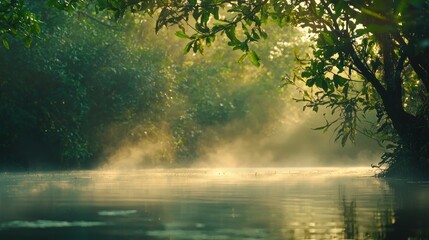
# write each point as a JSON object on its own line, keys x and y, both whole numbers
{"x": 275, "y": 131}
{"x": 294, "y": 143}
{"x": 289, "y": 142}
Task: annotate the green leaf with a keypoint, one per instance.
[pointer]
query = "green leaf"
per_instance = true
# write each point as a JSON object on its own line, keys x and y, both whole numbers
{"x": 338, "y": 8}
{"x": 188, "y": 47}
{"x": 320, "y": 128}
{"x": 310, "y": 82}
{"x": 215, "y": 13}
{"x": 263, "y": 34}
{"x": 255, "y": 35}
{"x": 324, "y": 84}
{"x": 339, "y": 81}
{"x": 241, "y": 59}
{"x": 36, "y": 28}
{"x": 306, "y": 74}
{"x": 315, "y": 108}
{"x": 200, "y": 47}
{"x": 230, "y": 33}
{"x": 254, "y": 58}
{"x": 5, "y": 43}
{"x": 196, "y": 14}
{"x": 328, "y": 38}
{"x": 344, "y": 139}
{"x": 369, "y": 12}
{"x": 205, "y": 16}
{"x": 361, "y": 32}
{"x": 28, "y": 41}
{"x": 182, "y": 34}
{"x": 195, "y": 47}
{"x": 346, "y": 90}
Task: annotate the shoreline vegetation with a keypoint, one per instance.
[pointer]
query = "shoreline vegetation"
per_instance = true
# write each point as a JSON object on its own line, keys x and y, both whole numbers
{"x": 81, "y": 79}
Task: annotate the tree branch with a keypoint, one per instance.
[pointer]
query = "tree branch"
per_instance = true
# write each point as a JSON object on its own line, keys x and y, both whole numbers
{"x": 368, "y": 75}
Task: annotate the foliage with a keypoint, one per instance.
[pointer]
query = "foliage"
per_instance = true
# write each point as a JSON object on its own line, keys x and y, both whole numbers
{"x": 404, "y": 163}
{"x": 18, "y": 21}
{"x": 61, "y": 98}
{"x": 368, "y": 54}
{"x": 88, "y": 86}
{"x": 215, "y": 100}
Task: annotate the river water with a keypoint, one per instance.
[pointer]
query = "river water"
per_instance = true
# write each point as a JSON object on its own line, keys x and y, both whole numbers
{"x": 221, "y": 204}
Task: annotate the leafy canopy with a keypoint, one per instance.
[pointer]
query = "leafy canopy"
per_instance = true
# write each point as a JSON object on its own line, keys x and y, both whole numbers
{"x": 369, "y": 54}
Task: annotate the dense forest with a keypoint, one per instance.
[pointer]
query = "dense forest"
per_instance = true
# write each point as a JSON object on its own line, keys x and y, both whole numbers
{"x": 87, "y": 86}
{"x": 92, "y": 77}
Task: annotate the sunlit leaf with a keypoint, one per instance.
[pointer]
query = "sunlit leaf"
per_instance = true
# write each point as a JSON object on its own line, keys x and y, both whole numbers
{"x": 182, "y": 34}
{"x": 241, "y": 59}
{"x": 254, "y": 58}
{"x": 188, "y": 47}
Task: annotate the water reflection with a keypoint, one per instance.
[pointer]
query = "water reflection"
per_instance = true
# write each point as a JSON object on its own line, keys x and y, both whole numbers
{"x": 350, "y": 223}
{"x": 212, "y": 204}
{"x": 411, "y": 213}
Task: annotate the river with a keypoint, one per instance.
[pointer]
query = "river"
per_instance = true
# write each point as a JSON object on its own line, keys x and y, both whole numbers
{"x": 221, "y": 204}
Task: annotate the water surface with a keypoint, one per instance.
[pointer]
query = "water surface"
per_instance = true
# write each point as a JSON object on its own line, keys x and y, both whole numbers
{"x": 221, "y": 204}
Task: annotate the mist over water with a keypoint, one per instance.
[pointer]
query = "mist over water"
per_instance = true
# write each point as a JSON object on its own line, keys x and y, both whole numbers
{"x": 293, "y": 143}
{"x": 212, "y": 203}
{"x": 288, "y": 141}
{"x": 240, "y": 117}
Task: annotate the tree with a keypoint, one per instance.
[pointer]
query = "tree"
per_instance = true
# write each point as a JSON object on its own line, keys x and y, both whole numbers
{"x": 368, "y": 55}
{"x": 78, "y": 90}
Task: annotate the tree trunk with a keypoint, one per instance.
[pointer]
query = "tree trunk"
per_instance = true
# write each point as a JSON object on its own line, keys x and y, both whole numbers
{"x": 412, "y": 130}
{"x": 411, "y": 158}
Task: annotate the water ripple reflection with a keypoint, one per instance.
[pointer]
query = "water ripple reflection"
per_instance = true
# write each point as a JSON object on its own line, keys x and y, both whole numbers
{"x": 306, "y": 203}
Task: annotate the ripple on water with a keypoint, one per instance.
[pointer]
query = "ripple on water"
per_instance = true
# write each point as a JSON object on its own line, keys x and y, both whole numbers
{"x": 49, "y": 224}
{"x": 117, "y": 213}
